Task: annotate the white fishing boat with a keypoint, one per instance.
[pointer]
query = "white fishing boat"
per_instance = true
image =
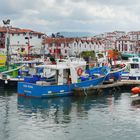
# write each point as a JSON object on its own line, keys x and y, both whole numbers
{"x": 133, "y": 69}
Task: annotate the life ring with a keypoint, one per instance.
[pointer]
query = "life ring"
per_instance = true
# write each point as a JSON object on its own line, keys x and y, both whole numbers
{"x": 79, "y": 71}
{"x": 91, "y": 65}
{"x": 105, "y": 64}
{"x": 122, "y": 65}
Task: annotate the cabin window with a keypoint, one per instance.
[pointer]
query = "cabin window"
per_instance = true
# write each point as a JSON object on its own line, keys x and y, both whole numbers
{"x": 100, "y": 55}
{"x": 135, "y": 60}
{"x": 133, "y": 66}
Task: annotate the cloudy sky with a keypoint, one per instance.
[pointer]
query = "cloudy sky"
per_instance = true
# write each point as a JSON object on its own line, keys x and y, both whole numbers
{"x": 96, "y": 16}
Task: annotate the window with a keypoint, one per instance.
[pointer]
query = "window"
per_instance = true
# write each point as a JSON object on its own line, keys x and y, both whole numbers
{"x": 119, "y": 47}
{"x": 122, "y": 47}
{"x": 125, "y": 47}
{"x": 135, "y": 60}
{"x": 133, "y": 66}
{"x": 130, "y": 47}
{"x": 50, "y": 44}
{"x": 39, "y": 36}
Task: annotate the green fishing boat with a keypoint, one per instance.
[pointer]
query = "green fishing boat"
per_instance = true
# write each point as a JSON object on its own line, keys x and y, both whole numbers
{"x": 9, "y": 73}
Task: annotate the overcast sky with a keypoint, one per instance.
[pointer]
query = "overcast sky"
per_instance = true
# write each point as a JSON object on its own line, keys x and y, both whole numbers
{"x": 96, "y": 16}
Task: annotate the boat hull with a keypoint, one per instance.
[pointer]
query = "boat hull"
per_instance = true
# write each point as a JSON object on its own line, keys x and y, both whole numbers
{"x": 135, "y": 97}
{"x": 44, "y": 91}
{"x": 9, "y": 82}
{"x": 128, "y": 76}
{"x": 134, "y": 77}
{"x": 115, "y": 74}
{"x": 10, "y": 77}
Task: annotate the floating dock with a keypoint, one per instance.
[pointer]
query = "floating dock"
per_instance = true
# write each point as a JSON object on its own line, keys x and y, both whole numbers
{"x": 114, "y": 86}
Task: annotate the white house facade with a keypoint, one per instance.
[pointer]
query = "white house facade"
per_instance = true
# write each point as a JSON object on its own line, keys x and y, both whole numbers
{"x": 20, "y": 39}
{"x": 71, "y": 46}
{"x": 124, "y": 44}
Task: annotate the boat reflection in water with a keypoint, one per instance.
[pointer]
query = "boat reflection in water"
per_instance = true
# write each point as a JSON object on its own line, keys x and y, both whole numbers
{"x": 34, "y": 105}
{"x": 136, "y": 103}
{"x": 63, "y": 110}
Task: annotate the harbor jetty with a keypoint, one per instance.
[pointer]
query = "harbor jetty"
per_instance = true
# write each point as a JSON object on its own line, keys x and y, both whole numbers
{"x": 114, "y": 86}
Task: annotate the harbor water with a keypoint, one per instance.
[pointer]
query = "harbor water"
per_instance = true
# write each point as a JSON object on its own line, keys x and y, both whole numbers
{"x": 106, "y": 117}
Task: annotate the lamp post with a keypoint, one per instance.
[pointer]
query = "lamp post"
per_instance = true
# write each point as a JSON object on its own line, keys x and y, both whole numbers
{"x": 28, "y": 42}
{"x": 7, "y": 23}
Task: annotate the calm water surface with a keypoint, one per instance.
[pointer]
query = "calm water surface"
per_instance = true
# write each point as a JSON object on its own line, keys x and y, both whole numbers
{"x": 109, "y": 117}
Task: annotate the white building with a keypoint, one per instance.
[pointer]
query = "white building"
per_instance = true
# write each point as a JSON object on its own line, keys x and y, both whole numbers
{"x": 108, "y": 44}
{"x": 20, "y": 40}
{"x": 72, "y": 46}
{"x": 134, "y": 35}
{"x": 124, "y": 44}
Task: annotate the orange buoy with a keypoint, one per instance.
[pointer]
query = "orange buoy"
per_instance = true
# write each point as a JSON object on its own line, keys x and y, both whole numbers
{"x": 135, "y": 90}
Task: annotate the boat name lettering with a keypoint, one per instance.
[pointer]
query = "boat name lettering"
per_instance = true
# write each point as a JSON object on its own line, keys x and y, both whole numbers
{"x": 26, "y": 91}
{"x": 27, "y": 86}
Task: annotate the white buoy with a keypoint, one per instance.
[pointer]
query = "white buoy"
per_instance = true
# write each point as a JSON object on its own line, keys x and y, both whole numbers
{"x": 6, "y": 82}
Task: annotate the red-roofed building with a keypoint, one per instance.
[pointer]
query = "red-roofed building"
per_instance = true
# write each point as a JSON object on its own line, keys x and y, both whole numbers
{"x": 125, "y": 44}
{"x": 20, "y": 39}
{"x": 72, "y": 46}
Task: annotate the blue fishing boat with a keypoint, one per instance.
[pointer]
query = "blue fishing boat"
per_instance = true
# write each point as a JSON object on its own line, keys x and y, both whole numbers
{"x": 116, "y": 71}
{"x": 68, "y": 76}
